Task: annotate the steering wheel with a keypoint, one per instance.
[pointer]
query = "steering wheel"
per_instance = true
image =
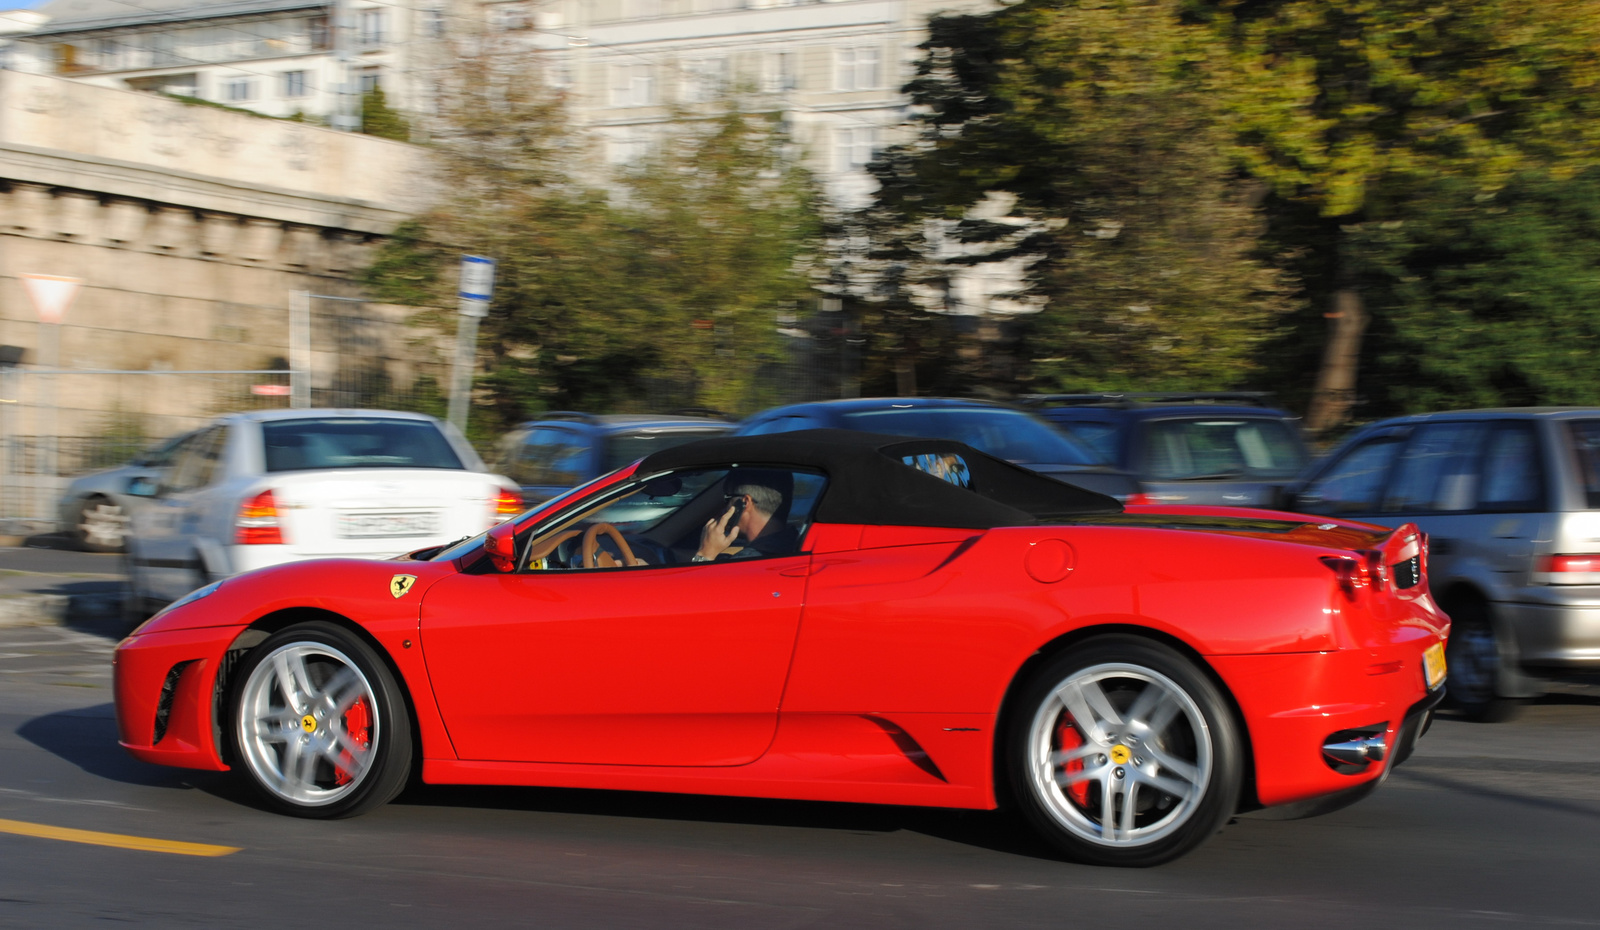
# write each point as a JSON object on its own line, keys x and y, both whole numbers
{"x": 591, "y": 545}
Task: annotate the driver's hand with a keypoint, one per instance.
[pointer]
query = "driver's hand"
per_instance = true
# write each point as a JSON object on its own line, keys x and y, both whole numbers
{"x": 718, "y": 535}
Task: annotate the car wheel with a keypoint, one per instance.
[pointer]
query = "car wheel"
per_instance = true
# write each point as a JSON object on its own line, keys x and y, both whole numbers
{"x": 318, "y": 724}
{"x": 102, "y": 526}
{"x": 1472, "y": 662}
{"x": 1121, "y": 752}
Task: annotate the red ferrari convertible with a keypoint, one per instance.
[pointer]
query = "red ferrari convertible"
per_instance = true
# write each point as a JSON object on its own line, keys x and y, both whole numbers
{"x": 823, "y": 615}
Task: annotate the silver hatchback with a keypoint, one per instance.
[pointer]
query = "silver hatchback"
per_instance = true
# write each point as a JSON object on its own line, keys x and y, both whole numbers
{"x": 1510, "y": 500}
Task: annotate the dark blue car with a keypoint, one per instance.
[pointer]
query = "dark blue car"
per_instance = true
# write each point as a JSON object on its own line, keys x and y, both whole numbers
{"x": 564, "y": 449}
{"x": 1219, "y": 449}
{"x": 1002, "y": 431}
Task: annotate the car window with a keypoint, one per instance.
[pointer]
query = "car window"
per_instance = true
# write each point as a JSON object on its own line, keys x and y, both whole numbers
{"x": 1191, "y": 449}
{"x": 633, "y": 445}
{"x": 1437, "y": 472}
{"x": 660, "y": 520}
{"x": 569, "y": 459}
{"x": 1352, "y": 484}
{"x": 1007, "y": 434}
{"x": 1585, "y": 438}
{"x": 784, "y": 424}
{"x": 1099, "y": 435}
{"x": 1513, "y": 479}
{"x": 195, "y": 465}
{"x": 355, "y": 442}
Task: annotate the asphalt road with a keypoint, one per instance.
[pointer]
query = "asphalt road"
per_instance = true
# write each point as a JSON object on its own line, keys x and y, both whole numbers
{"x": 1488, "y": 825}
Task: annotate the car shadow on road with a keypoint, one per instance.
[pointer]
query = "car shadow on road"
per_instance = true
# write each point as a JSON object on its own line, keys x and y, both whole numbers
{"x": 87, "y": 738}
{"x": 991, "y": 830}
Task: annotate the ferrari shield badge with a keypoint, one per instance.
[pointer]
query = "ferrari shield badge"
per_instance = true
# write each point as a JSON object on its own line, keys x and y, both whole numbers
{"x": 400, "y": 584}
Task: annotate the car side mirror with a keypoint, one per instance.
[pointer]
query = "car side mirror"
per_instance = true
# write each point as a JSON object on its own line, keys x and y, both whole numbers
{"x": 501, "y": 545}
{"x": 143, "y": 486}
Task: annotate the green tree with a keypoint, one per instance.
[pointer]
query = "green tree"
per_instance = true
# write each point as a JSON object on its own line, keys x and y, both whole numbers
{"x": 653, "y": 287}
{"x": 1088, "y": 142}
{"x": 1484, "y": 300}
{"x": 1354, "y": 110}
{"x": 378, "y": 119}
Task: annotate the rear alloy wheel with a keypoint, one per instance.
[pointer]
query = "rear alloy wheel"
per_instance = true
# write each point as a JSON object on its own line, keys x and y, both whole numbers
{"x": 318, "y": 723}
{"x": 1123, "y": 753}
{"x": 102, "y": 525}
{"x": 1472, "y": 662}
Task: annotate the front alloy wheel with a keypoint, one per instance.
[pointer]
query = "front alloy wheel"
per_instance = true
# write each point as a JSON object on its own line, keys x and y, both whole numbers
{"x": 319, "y": 724}
{"x": 1124, "y": 753}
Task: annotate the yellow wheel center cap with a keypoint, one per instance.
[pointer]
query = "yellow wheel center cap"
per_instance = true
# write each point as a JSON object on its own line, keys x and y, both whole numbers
{"x": 1120, "y": 754}
{"x": 308, "y": 723}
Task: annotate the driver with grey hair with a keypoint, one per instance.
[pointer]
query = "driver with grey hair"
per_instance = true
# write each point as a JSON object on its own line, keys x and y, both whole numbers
{"x": 749, "y": 517}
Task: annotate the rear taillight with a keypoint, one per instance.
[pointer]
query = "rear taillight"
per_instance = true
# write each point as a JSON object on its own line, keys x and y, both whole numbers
{"x": 507, "y": 505}
{"x": 1567, "y": 569}
{"x": 1137, "y": 499}
{"x": 257, "y": 524}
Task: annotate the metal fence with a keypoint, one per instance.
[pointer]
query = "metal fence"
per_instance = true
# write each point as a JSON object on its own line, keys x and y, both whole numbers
{"x": 56, "y": 423}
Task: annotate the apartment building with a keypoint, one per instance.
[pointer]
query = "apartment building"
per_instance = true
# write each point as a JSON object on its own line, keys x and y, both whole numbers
{"x": 276, "y": 57}
{"x": 834, "y": 68}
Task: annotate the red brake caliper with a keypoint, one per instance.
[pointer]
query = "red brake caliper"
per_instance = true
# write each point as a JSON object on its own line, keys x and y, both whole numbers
{"x": 358, "y": 724}
{"x": 1068, "y": 738}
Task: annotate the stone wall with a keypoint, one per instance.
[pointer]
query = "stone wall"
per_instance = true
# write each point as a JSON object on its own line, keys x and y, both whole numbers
{"x": 189, "y": 225}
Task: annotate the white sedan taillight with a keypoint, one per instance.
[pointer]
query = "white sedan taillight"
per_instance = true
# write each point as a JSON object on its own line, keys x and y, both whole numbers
{"x": 257, "y": 523}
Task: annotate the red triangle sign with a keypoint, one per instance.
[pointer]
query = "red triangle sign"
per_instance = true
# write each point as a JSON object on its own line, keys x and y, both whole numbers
{"x": 51, "y": 294}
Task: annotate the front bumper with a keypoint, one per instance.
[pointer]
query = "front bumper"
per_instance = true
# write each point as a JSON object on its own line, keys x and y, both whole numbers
{"x": 1292, "y": 703}
{"x": 165, "y": 685}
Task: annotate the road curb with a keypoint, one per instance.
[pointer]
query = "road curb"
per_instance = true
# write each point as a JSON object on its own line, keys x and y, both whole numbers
{"x": 56, "y": 609}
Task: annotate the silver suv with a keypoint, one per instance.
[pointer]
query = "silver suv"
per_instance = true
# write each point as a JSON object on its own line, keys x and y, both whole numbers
{"x": 1510, "y": 500}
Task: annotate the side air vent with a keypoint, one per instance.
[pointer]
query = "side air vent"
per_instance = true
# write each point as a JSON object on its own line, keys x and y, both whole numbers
{"x": 169, "y": 688}
{"x": 1408, "y": 573}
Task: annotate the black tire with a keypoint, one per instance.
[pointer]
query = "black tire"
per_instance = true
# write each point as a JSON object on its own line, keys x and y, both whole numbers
{"x": 1473, "y": 664}
{"x": 1183, "y": 775}
{"x": 320, "y": 777}
{"x": 98, "y": 519}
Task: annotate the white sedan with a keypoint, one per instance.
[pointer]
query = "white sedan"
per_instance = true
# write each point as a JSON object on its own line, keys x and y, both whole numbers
{"x": 260, "y": 488}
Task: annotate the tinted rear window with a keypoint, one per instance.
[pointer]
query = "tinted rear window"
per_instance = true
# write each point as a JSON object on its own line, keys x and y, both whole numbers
{"x": 1221, "y": 447}
{"x": 1006, "y": 434}
{"x": 626, "y": 448}
{"x": 1586, "y": 448}
{"x": 355, "y": 442}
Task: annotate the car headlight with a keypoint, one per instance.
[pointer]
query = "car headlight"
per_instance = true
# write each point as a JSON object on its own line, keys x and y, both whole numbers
{"x": 191, "y": 597}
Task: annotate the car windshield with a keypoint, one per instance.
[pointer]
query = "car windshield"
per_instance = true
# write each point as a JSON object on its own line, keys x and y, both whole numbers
{"x": 1189, "y": 449}
{"x": 355, "y": 442}
{"x": 631, "y": 446}
{"x": 1007, "y": 434}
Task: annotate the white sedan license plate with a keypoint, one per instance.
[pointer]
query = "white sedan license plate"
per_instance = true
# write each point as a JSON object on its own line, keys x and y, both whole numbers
{"x": 371, "y": 525}
{"x": 1433, "y": 664}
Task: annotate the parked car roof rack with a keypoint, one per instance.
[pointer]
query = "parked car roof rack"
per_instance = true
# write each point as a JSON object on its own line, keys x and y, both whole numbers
{"x": 1132, "y": 398}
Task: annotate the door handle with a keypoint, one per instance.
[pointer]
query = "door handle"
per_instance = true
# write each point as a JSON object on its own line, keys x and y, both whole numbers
{"x": 799, "y": 571}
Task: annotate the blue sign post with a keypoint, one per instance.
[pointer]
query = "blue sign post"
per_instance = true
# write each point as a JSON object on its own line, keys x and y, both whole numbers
{"x": 475, "y": 291}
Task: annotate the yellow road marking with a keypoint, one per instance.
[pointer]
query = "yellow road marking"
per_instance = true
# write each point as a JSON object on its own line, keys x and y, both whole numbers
{"x": 119, "y": 840}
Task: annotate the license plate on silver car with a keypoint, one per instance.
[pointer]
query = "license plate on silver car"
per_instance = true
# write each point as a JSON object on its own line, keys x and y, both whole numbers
{"x": 370, "y": 525}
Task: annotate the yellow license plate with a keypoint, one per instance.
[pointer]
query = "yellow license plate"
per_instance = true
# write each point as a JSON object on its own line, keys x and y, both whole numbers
{"x": 1433, "y": 664}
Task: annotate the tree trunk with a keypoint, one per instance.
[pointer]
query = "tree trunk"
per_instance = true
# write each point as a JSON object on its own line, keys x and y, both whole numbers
{"x": 1335, "y": 392}
{"x": 905, "y": 375}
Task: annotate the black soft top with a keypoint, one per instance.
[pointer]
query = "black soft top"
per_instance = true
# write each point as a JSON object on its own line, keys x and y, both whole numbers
{"x": 868, "y": 483}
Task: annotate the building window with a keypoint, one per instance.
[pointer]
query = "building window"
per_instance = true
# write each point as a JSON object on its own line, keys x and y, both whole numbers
{"x": 857, "y": 69}
{"x": 236, "y": 90}
{"x": 512, "y": 17}
{"x": 708, "y": 78}
{"x": 317, "y": 26}
{"x": 294, "y": 83}
{"x": 632, "y": 86}
{"x": 370, "y": 27}
{"x": 370, "y": 79}
{"x": 432, "y": 26}
{"x": 782, "y": 72}
{"x": 855, "y": 147}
